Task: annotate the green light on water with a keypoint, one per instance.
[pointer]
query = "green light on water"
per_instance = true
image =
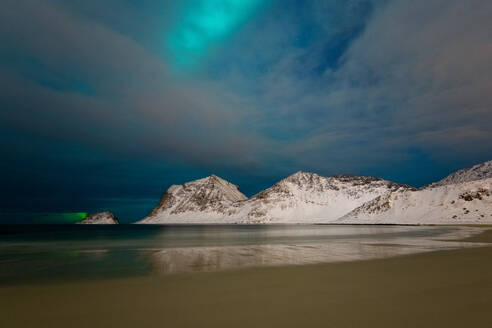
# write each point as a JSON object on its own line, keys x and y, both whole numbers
{"x": 205, "y": 23}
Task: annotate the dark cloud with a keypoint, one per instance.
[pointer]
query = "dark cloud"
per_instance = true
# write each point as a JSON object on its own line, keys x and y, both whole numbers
{"x": 134, "y": 104}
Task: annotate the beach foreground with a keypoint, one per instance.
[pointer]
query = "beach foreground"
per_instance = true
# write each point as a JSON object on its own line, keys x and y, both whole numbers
{"x": 440, "y": 289}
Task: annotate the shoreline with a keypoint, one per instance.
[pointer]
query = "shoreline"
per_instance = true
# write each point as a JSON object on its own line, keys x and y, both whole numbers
{"x": 447, "y": 288}
{"x": 488, "y": 225}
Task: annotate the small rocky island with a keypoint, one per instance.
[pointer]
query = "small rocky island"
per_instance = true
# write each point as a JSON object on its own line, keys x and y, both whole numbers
{"x": 100, "y": 218}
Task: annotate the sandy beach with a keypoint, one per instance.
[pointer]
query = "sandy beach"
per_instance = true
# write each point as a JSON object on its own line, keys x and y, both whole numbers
{"x": 438, "y": 289}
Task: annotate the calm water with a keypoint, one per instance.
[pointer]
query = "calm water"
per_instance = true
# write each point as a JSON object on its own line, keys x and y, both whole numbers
{"x": 45, "y": 253}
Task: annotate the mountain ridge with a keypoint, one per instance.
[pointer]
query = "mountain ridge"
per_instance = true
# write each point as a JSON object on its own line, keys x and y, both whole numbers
{"x": 318, "y": 199}
{"x": 460, "y": 203}
{"x": 304, "y": 197}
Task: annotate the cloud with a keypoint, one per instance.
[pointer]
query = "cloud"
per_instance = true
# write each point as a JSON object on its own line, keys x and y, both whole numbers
{"x": 131, "y": 102}
{"x": 418, "y": 65}
{"x": 415, "y": 76}
{"x": 320, "y": 85}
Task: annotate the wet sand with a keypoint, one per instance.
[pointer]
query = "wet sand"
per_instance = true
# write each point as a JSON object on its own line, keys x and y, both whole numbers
{"x": 439, "y": 289}
{"x": 483, "y": 237}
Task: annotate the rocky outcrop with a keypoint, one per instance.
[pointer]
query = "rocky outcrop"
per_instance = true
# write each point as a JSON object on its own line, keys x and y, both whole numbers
{"x": 100, "y": 218}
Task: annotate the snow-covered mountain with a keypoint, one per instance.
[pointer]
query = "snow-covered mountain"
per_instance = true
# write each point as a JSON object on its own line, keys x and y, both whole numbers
{"x": 310, "y": 198}
{"x": 477, "y": 172}
{"x": 463, "y": 197}
{"x": 453, "y": 203}
{"x": 301, "y": 198}
{"x": 207, "y": 200}
{"x": 100, "y": 218}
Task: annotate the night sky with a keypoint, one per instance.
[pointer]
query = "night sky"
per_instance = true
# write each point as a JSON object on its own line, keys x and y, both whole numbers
{"x": 106, "y": 103}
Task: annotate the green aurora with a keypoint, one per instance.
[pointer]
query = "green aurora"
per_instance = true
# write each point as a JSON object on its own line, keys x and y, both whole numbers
{"x": 204, "y": 24}
{"x": 63, "y": 218}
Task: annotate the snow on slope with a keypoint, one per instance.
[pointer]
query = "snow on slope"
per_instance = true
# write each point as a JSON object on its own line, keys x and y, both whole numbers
{"x": 458, "y": 203}
{"x": 100, "y": 218}
{"x": 310, "y": 198}
{"x": 462, "y": 197}
{"x": 207, "y": 200}
{"x": 300, "y": 198}
{"x": 477, "y": 172}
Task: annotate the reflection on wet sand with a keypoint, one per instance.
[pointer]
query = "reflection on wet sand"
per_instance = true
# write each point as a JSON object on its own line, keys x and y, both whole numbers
{"x": 216, "y": 258}
{"x": 81, "y": 253}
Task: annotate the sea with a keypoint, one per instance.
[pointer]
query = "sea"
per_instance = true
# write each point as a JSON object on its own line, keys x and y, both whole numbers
{"x": 59, "y": 253}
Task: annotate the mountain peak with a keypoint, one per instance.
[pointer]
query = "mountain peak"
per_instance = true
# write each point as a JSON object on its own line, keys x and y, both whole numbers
{"x": 210, "y": 179}
{"x": 301, "y": 175}
{"x": 476, "y": 172}
{"x": 207, "y": 194}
